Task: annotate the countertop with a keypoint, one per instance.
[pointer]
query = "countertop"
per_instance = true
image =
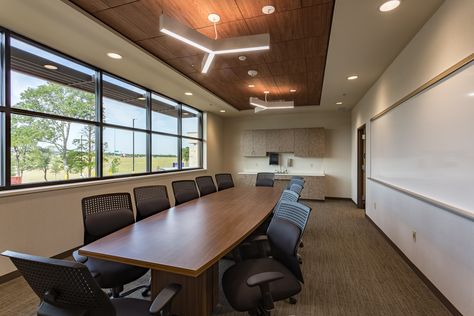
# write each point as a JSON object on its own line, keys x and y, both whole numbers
{"x": 308, "y": 174}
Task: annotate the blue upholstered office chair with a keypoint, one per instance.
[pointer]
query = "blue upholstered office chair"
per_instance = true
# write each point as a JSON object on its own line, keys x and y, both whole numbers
{"x": 224, "y": 181}
{"x": 295, "y": 181}
{"x": 265, "y": 179}
{"x": 253, "y": 285}
{"x": 206, "y": 185}
{"x": 297, "y": 177}
{"x": 67, "y": 288}
{"x": 103, "y": 215}
{"x": 150, "y": 200}
{"x": 296, "y": 188}
{"x": 184, "y": 191}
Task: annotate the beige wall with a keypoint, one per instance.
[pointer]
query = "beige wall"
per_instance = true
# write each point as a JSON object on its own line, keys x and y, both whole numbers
{"x": 336, "y": 163}
{"x": 49, "y": 223}
{"x": 444, "y": 249}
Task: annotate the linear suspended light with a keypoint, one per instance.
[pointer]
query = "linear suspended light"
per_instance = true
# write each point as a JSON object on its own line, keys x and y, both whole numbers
{"x": 262, "y": 105}
{"x": 239, "y": 44}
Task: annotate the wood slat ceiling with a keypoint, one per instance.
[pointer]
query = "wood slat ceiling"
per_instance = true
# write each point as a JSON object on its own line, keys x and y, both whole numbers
{"x": 299, "y": 34}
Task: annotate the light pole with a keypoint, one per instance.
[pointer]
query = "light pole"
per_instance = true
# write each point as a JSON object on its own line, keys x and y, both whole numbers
{"x": 133, "y": 145}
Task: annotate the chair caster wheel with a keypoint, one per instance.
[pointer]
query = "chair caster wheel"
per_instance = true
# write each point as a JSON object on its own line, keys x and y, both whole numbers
{"x": 292, "y": 300}
{"x": 146, "y": 293}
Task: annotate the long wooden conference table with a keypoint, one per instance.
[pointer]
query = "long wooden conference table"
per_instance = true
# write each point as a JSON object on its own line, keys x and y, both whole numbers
{"x": 184, "y": 244}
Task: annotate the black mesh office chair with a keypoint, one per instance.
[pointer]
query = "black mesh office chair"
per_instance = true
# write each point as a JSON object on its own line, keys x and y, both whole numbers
{"x": 265, "y": 179}
{"x": 67, "y": 288}
{"x": 184, "y": 191}
{"x": 103, "y": 215}
{"x": 150, "y": 200}
{"x": 224, "y": 181}
{"x": 296, "y": 188}
{"x": 253, "y": 285}
{"x": 206, "y": 185}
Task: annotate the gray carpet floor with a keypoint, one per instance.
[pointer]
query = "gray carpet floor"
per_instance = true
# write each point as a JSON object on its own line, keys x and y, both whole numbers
{"x": 349, "y": 269}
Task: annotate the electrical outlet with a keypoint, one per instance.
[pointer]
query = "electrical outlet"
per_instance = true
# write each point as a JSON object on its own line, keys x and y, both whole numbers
{"x": 413, "y": 234}
{"x": 375, "y": 206}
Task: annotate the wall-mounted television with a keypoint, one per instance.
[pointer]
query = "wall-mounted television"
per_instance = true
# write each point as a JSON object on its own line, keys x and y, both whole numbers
{"x": 273, "y": 157}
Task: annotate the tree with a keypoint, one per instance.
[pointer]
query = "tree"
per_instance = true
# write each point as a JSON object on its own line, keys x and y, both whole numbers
{"x": 85, "y": 145}
{"x": 114, "y": 164}
{"x": 41, "y": 158}
{"x": 61, "y": 100}
{"x": 56, "y": 166}
{"x": 24, "y": 140}
{"x": 185, "y": 153}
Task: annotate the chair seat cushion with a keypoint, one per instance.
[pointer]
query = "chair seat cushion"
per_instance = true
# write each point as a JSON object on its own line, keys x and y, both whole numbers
{"x": 112, "y": 274}
{"x": 243, "y": 297}
{"x": 131, "y": 306}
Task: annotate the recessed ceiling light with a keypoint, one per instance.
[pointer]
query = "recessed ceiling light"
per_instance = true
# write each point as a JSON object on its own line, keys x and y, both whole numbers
{"x": 339, "y": 103}
{"x": 266, "y": 92}
{"x": 242, "y": 57}
{"x": 252, "y": 72}
{"x": 268, "y": 9}
{"x": 185, "y": 113}
{"x": 50, "y": 67}
{"x": 222, "y": 111}
{"x": 292, "y": 90}
{"x": 114, "y": 55}
{"x": 389, "y": 5}
{"x": 353, "y": 77}
{"x": 214, "y": 18}
{"x": 471, "y": 94}
{"x": 251, "y": 86}
{"x": 141, "y": 98}
{"x": 188, "y": 93}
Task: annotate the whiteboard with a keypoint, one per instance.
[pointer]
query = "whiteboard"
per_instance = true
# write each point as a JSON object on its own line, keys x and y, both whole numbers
{"x": 426, "y": 144}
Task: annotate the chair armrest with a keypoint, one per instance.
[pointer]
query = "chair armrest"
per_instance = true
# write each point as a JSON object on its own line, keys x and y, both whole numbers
{"x": 78, "y": 258}
{"x": 163, "y": 300}
{"x": 263, "y": 281}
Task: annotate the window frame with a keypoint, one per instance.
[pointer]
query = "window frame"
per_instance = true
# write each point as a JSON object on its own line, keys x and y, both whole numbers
{"x": 6, "y": 110}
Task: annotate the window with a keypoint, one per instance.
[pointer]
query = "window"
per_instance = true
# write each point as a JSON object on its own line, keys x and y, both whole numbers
{"x": 66, "y": 121}
{"x": 165, "y": 114}
{"x": 51, "y": 97}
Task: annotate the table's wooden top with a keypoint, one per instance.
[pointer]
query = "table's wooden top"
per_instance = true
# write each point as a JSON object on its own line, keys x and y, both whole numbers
{"x": 189, "y": 238}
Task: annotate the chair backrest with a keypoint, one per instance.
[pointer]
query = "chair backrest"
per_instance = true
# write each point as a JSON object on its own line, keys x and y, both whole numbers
{"x": 106, "y": 213}
{"x": 297, "y": 178}
{"x": 206, "y": 185}
{"x": 184, "y": 191}
{"x": 265, "y": 179}
{"x": 295, "y": 181}
{"x": 284, "y": 238}
{"x": 287, "y": 195}
{"x": 294, "y": 212}
{"x": 224, "y": 181}
{"x": 296, "y": 188}
{"x": 150, "y": 200}
{"x": 64, "y": 287}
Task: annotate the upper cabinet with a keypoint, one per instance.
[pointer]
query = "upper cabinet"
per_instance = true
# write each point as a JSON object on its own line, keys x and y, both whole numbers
{"x": 310, "y": 142}
{"x": 280, "y": 140}
{"x": 253, "y": 143}
{"x": 304, "y": 142}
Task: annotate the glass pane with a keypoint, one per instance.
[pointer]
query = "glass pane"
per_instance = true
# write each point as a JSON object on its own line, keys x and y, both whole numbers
{"x": 190, "y": 122}
{"x": 45, "y": 82}
{"x": 50, "y": 150}
{"x": 124, "y": 151}
{"x": 164, "y": 153}
{"x": 123, "y": 103}
{"x": 164, "y": 115}
{"x": 191, "y": 153}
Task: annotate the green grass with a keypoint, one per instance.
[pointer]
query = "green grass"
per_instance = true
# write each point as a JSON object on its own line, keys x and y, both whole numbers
{"x": 125, "y": 167}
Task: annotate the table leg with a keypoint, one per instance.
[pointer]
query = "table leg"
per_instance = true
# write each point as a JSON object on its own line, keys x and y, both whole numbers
{"x": 198, "y": 296}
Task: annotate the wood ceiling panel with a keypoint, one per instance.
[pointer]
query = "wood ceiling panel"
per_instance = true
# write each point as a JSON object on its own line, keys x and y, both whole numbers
{"x": 299, "y": 33}
{"x": 136, "y": 20}
{"x": 251, "y": 9}
{"x": 194, "y": 12}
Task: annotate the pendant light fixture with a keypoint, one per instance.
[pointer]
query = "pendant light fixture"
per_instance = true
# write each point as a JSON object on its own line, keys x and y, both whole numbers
{"x": 262, "y": 105}
{"x": 213, "y": 47}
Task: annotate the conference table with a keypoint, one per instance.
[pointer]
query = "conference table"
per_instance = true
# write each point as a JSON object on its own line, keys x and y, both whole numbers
{"x": 184, "y": 244}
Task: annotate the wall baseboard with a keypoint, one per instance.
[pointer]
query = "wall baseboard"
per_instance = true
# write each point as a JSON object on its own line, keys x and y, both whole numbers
{"x": 15, "y": 274}
{"x": 418, "y": 272}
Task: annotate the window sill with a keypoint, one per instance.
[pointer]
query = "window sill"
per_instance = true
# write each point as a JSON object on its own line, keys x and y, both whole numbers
{"x": 67, "y": 186}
